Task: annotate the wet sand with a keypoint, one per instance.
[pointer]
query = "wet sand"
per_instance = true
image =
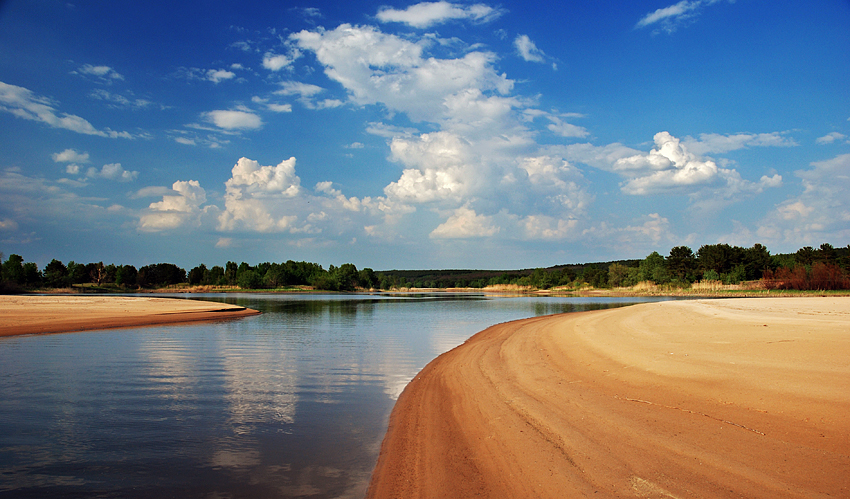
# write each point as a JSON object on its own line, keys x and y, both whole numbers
{"x": 705, "y": 398}
{"x": 24, "y": 314}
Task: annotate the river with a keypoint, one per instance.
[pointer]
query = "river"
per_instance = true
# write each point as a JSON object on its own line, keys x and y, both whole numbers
{"x": 290, "y": 403}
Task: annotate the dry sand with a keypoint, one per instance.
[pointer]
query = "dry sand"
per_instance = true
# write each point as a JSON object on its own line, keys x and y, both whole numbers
{"x": 709, "y": 398}
{"x": 25, "y": 314}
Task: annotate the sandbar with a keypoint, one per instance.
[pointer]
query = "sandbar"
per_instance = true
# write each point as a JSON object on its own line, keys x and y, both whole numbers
{"x": 35, "y": 314}
{"x": 677, "y": 399}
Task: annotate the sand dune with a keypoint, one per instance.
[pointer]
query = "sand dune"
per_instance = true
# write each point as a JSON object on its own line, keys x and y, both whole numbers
{"x": 709, "y": 398}
{"x": 25, "y": 314}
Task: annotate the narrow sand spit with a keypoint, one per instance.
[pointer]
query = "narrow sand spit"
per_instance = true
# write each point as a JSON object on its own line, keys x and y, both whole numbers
{"x": 708, "y": 398}
{"x": 26, "y": 314}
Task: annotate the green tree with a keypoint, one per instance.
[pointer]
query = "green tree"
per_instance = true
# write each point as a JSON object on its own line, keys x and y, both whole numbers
{"x": 347, "y": 277}
{"x": 652, "y": 268}
{"x": 718, "y": 257}
{"x": 682, "y": 263}
{"x": 76, "y": 273}
{"x": 13, "y": 269}
{"x": 618, "y": 276}
{"x": 216, "y": 276}
{"x": 55, "y": 274}
{"x": 126, "y": 275}
{"x": 230, "y": 273}
{"x": 197, "y": 274}
{"x": 825, "y": 254}
{"x": 32, "y": 277}
{"x": 755, "y": 261}
{"x": 368, "y": 279}
{"x": 275, "y": 276}
{"x": 249, "y": 279}
{"x": 805, "y": 256}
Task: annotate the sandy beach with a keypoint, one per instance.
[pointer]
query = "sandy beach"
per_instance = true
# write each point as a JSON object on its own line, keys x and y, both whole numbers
{"x": 25, "y": 314}
{"x": 703, "y": 398}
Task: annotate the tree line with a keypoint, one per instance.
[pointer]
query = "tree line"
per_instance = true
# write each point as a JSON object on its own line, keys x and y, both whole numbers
{"x": 824, "y": 267}
{"x": 17, "y": 275}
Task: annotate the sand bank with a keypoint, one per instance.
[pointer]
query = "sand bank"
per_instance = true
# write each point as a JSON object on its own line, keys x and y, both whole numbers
{"x": 23, "y": 314}
{"x": 709, "y": 398}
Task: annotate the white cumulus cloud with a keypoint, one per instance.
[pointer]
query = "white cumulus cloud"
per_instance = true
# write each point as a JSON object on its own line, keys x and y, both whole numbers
{"x": 219, "y": 75}
{"x": 179, "y": 206}
{"x": 112, "y": 171}
{"x": 465, "y": 223}
{"x": 70, "y": 156}
{"x": 375, "y": 67}
{"x": 276, "y": 62}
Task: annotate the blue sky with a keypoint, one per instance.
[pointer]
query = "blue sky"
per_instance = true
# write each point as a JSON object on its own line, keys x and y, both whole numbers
{"x": 420, "y": 135}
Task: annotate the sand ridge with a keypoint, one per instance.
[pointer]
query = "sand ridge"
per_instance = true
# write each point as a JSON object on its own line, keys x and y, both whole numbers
{"x": 697, "y": 398}
{"x": 36, "y": 314}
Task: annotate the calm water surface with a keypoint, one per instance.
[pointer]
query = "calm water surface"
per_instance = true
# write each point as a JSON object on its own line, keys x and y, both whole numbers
{"x": 291, "y": 403}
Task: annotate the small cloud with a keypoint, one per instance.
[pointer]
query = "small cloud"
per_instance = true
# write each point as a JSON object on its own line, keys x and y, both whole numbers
{"x": 426, "y": 14}
{"x": 329, "y": 104}
{"x": 218, "y": 75}
{"x": 280, "y": 108}
{"x": 564, "y": 129}
{"x": 276, "y": 62}
{"x": 70, "y": 156}
{"x": 117, "y": 100}
{"x": 152, "y": 191}
{"x": 112, "y": 171}
{"x": 184, "y": 141}
{"x": 8, "y": 224}
{"x": 830, "y": 138}
{"x": 673, "y": 17}
{"x": 528, "y": 50}
{"x": 103, "y": 73}
{"x": 243, "y": 46}
{"x": 72, "y": 169}
{"x": 233, "y": 120}
{"x": 355, "y": 145}
{"x": 224, "y": 242}
{"x": 299, "y": 89}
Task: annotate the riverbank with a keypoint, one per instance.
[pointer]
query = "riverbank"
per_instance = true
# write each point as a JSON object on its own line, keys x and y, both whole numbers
{"x": 31, "y": 314}
{"x": 695, "y": 398}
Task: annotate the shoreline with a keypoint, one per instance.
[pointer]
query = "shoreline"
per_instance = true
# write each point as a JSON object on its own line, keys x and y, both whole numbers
{"x": 50, "y": 314}
{"x": 696, "y": 398}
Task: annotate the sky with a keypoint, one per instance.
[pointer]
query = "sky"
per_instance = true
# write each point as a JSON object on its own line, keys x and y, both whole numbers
{"x": 429, "y": 135}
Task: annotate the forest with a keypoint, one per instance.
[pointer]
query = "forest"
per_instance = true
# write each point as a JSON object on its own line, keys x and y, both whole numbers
{"x": 822, "y": 268}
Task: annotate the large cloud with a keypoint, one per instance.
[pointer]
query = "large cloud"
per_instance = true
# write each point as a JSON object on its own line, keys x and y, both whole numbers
{"x": 375, "y": 67}
{"x": 671, "y": 167}
{"x": 668, "y": 166}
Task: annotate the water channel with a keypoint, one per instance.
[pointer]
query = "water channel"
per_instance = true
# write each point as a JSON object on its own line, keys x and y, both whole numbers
{"x": 290, "y": 403}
